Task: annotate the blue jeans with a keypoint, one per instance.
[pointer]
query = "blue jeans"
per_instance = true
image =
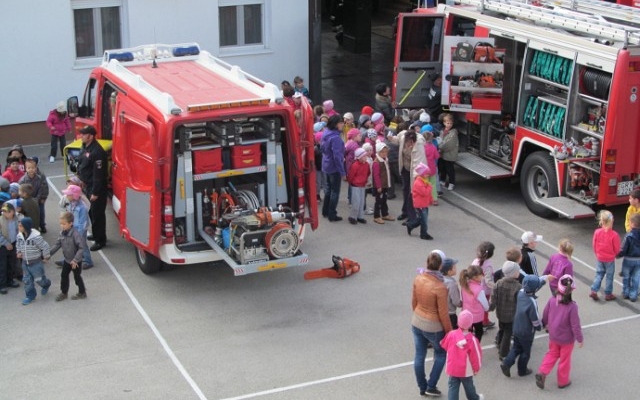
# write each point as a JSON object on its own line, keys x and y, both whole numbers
{"x": 86, "y": 254}
{"x": 630, "y": 277}
{"x": 32, "y": 274}
{"x": 332, "y": 195}
{"x": 421, "y": 338}
{"x": 423, "y": 216}
{"x": 467, "y": 383}
{"x": 603, "y": 268}
{"x": 522, "y": 348}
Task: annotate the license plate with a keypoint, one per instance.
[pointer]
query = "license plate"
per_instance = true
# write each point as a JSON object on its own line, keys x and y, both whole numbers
{"x": 624, "y": 188}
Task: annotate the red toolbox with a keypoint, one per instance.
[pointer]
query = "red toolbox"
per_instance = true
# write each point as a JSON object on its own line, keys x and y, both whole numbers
{"x": 486, "y": 102}
{"x": 246, "y": 156}
{"x": 206, "y": 161}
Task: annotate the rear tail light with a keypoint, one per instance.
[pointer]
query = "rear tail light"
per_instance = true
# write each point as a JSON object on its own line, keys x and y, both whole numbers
{"x": 167, "y": 216}
{"x": 610, "y": 161}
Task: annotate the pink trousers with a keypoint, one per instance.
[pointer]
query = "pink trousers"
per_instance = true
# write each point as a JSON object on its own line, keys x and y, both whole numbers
{"x": 562, "y": 354}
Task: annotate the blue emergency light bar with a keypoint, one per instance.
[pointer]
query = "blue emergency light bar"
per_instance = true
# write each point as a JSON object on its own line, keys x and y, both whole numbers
{"x": 152, "y": 52}
{"x": 122, "y": 57}
{"x": 186, "y": 51}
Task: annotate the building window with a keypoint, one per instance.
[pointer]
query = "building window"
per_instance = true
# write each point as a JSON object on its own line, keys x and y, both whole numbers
{"x": 97, "y": 28}
{"x": 241, "y": 23}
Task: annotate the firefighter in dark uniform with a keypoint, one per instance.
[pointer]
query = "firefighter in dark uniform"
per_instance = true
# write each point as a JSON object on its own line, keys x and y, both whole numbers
{"x": 92, "y": 171}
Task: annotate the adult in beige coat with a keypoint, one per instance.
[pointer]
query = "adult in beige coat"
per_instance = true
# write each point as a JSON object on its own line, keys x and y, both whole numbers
{"x": 411, "y": 153}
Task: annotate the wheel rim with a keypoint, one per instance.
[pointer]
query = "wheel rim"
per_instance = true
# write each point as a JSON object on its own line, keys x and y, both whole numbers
{"x": 538, "y": 183}
{"x": 142, "y": 256}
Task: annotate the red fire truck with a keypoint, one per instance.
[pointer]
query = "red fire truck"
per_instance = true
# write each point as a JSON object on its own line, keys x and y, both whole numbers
{"x": 208, "y": 162}
{"x": 543, "y": 93}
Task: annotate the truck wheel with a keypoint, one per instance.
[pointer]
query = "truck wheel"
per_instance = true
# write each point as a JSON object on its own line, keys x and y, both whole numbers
{"x": 538, "y": 180}
{"x": 148, "y": 263}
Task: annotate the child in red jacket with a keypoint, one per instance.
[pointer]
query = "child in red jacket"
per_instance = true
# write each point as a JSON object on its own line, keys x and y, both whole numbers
{"x": 464, "y": 358}
{"x": 357, "y": 176}
{"x": 422, "y": 195}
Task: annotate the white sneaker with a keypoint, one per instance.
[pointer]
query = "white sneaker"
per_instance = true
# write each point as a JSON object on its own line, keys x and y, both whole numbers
{"x": 443, "y": 183}
{"x": 450, "y": 186}
{"x": 368, "y": 211}
{"x": 52, "y": 159}
{"x": 480, "y": 397}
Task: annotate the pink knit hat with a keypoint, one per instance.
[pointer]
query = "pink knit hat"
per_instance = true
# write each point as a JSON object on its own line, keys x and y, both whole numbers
{"x": 327, "y": 105}
{"x": 422, "y": 169}
{"x": 465, "y": 319}
{"x": 353, "y": 133}
{"x": 377, "y": 117}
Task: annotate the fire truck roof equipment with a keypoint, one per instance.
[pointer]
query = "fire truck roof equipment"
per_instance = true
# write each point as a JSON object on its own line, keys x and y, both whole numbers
{"x": 152, "y": 66}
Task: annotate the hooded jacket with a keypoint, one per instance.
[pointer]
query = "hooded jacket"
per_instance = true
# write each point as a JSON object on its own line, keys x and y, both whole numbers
{"x": 332, "y": 153}
{"x": 58, "y": 124}
{"x": 631, "y": 244}
{"x": 33, "y": 248}
{"x": 464, "y": 355}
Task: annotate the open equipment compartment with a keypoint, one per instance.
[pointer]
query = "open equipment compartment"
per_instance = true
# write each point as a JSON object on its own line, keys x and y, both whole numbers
{"x": 234, "y": 197}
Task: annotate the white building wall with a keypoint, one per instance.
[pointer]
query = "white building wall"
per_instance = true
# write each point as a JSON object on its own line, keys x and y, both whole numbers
{"x": 39, "y": 68}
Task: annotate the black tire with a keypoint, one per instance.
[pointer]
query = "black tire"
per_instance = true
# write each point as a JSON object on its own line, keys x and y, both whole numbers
{"x": 538, "y": 180}
{"x": 148, "y": 263}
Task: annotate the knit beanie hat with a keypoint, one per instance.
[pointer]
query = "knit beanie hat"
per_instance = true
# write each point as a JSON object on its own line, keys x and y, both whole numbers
{"x": 376, "y": 117}
{"x": 14, "y": 187}
{"x": 359, "y": 153}
{"x": 380, "y": 146}
{"x": 422, "y": 169}
{"x": 347, "y": 115}
{"x": 363, "y": 119}
{"x": 4, "y": 184}
{"x": 510, "y": 269}
{"x": 27, "y": 224}
{"x": 424, "y": 117}
{"x": 366, "y": 110}
{"x": 465, "y": 319}
{"x": 318, "y": 126}
{"x": 327, "y": 105}
{"x": 372, "y": 134}
{"x": 531, "y": 283}
{"x": 353, "y": 132}
{"x": 426, "y": 128}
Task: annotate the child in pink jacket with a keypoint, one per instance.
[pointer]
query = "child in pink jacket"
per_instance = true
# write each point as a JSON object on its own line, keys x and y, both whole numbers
{"x": 464, "y": 358}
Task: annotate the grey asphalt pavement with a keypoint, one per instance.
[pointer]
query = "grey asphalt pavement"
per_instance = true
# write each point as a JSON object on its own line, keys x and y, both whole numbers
{"x": 201, "y": 333}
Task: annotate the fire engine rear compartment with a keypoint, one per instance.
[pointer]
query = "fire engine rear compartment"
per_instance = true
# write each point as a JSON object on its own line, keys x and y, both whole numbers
{"x": 232, "y": 193}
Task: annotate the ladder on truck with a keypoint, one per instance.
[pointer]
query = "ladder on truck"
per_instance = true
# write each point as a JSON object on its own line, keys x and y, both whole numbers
{"x": 586, "y": 22}
{"x": 599, "y": 7}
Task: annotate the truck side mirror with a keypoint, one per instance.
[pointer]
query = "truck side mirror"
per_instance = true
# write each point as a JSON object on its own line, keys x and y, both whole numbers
{"x": 72, "y": 106}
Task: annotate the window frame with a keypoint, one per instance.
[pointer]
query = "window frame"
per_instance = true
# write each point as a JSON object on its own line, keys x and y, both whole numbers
{"x": 92, "y": 61}
{"x": 247, "y": 49}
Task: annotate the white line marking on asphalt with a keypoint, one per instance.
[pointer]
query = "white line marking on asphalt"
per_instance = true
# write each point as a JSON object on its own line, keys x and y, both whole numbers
{"x": 146, "y": 317}
{"x": 395, "y": 366}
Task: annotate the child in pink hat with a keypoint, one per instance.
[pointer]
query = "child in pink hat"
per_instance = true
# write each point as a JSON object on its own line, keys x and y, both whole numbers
{"x": 422, "y": 196}
{"x": 463, "y": 351}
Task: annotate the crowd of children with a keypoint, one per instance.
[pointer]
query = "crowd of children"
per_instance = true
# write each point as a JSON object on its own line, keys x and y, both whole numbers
{"x": 511, "y": 292}
{"x": 23, "y": 249}
{"x": 405, "y": 149}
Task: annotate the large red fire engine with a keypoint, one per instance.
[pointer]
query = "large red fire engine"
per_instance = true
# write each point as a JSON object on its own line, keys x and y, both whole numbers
{"x": 208, "y": 162}
{"x": 544, "y": 93}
